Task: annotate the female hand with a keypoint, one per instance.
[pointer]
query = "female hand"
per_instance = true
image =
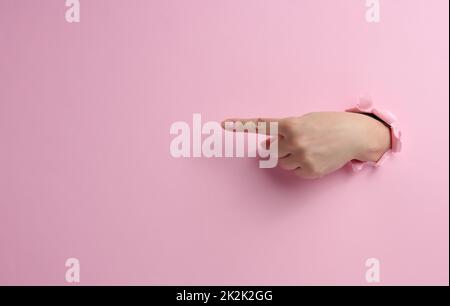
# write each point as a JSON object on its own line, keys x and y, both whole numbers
{"x": 317, "y": 144}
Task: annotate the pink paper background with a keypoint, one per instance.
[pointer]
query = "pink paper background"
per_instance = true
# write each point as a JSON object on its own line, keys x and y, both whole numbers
{"x": 85, "y": 168}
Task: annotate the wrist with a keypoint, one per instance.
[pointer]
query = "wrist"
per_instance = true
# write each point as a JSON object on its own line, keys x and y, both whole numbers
{"x": 375, "y": 139}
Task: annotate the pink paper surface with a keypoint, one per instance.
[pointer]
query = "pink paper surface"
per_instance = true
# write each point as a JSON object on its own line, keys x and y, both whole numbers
{"x": 85, "y": 167}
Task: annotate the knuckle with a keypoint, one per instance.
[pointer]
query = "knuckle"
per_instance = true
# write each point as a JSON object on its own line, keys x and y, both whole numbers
{"x": 301, "y": 173}
{"x": 316, "y": 171}
{"x": 308, "y": 160}
{"x": 284, "y": 164}
{"x": 288, "y": 125}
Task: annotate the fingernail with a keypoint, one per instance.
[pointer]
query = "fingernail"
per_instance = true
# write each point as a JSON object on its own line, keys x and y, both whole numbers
{"x": 228, "y": 125}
